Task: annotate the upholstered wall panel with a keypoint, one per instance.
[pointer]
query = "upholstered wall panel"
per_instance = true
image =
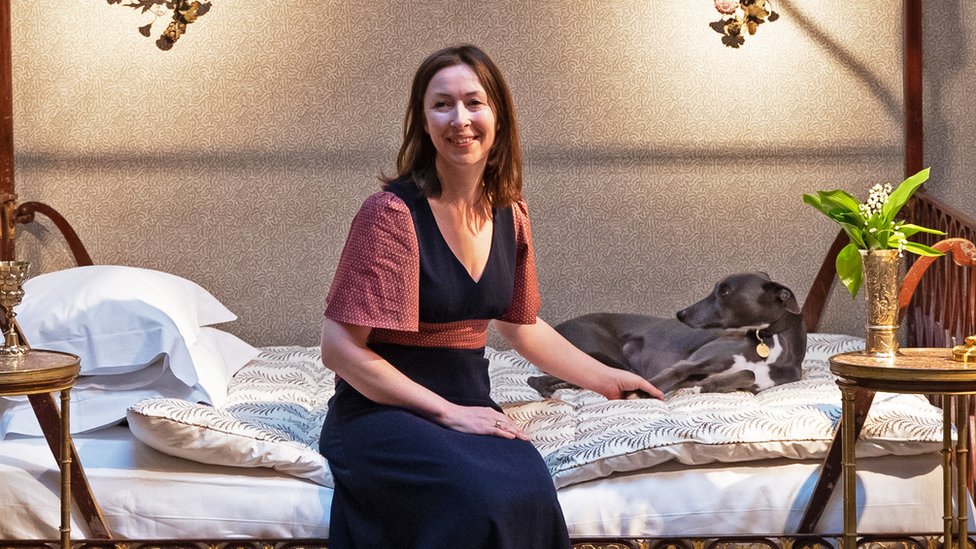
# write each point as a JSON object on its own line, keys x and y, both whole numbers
{"x": 657, "y": 159}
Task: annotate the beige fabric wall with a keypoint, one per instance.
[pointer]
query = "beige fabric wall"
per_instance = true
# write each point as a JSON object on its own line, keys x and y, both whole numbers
{"x": 657, "y": 159}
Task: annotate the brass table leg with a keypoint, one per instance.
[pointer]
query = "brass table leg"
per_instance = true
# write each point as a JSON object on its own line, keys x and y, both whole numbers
{"x": 947, "y": 403}
{"x": 65, "y": 470}
{"x": 962, "y": 468}
{"x": 48, "y": 414}
{"x": 849, "y": 467}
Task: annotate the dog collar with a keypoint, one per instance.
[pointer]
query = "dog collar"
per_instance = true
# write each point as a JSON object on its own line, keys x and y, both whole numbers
{"x": 779, "y": 325}
{"x": 762, "y": 334}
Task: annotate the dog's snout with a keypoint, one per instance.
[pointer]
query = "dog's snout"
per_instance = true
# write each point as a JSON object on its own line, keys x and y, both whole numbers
{"x": 682, "y": 314}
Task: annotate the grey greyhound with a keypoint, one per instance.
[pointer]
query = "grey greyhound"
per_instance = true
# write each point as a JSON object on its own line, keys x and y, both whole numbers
{"x": 747, "y": 334}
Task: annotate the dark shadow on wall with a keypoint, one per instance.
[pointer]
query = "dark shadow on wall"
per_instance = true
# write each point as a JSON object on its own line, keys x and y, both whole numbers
{"x": 944, "y": 50}
{"x": 375, "y": 159}
{"x": 709, "y": 156}
{"x": 888, "y": 98}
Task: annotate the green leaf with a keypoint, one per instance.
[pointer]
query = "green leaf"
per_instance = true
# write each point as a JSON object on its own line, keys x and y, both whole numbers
{"x": 840, "y": 200}
{"x": 855, "y": 234}
{"x": 880, "y": 240}
{"x": 814, "y": 201}
{"x": 848, "y": 220}
{"x": 909, "y": 229}
{"x": 849, "y": 270}
{"x": 902, "y": 193}
{"x": 922, "y": 249}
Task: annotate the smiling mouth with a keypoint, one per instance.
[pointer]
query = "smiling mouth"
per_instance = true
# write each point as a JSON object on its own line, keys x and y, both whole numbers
{"x": 462, "y": 140}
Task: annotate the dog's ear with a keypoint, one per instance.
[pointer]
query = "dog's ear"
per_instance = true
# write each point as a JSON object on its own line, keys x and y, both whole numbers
{"x": 784, "y": 295}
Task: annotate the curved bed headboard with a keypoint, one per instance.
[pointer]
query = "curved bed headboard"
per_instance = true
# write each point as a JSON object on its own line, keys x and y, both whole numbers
{"x": 943, "y": 310}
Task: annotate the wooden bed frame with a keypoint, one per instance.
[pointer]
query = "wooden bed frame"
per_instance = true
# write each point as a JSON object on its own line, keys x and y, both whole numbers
{"x": 942, "y": 311}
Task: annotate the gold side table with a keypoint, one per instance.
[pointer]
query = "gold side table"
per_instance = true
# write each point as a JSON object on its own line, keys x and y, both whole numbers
{"x": 39, "y": 372}
{"x": 913, "y": 371}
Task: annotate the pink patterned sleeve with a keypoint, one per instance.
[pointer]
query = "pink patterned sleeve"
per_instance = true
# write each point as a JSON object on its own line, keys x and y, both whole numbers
{"x": 377, "y": 282}
{"x": 526, "y": 302}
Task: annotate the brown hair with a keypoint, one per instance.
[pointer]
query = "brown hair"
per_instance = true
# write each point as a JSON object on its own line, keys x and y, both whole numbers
{"x": 503, "y": 171}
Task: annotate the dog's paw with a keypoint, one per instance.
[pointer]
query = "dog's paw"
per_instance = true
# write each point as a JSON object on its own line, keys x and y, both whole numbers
{"x": 546, "y": 385}
{"x": 542, "y": 385}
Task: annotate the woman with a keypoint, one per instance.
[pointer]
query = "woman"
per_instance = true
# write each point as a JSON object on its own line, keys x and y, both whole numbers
{"x": 422, "y": 457}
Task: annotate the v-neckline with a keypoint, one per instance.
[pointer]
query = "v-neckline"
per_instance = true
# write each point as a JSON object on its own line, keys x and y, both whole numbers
{"x": 457, "y": 261}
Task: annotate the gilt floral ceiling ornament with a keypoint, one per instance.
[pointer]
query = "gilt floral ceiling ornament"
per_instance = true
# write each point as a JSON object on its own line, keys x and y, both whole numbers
{"x": 180, "y": 14}
{"x": 741, "y": 15}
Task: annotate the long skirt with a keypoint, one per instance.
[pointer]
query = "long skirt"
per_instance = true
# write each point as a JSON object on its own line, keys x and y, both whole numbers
{"x": 403, "y": 481}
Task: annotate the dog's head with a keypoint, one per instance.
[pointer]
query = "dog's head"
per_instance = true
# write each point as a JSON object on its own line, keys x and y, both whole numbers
{"x": 745, "y": 300}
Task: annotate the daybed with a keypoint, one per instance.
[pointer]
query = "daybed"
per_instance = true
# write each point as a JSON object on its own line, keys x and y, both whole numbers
{"x": 242, "y": 469}
{"x": 693, "y": 471}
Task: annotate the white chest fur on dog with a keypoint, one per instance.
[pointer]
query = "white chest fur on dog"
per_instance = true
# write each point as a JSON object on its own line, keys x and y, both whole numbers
{"x": 759, "y": 369}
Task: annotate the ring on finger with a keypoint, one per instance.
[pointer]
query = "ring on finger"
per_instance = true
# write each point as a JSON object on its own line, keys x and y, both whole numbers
{"x": 498, "y": 424}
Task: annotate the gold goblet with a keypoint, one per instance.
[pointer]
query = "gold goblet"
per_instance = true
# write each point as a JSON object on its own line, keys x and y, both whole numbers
{"x": 12, "y": 275}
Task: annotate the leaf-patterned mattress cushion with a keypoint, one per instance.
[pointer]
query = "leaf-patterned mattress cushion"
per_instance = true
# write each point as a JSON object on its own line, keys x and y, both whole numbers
{"x": 273, "y": 417}
{"x": 277, "y": 403}
{"x": 584, "y": 436}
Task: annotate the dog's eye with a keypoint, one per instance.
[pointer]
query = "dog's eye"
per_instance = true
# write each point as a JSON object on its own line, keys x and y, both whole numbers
{"x": 724, "y": 290}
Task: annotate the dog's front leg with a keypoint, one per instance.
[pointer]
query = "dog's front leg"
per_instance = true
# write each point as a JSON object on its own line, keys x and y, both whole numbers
{"x": 727, "y": 382}
{"x": 675, "y": 376}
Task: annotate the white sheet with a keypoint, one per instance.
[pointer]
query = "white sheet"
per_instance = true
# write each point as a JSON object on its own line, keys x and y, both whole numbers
{"x": 147, "y": 494}
{"x": 760, "y": 497}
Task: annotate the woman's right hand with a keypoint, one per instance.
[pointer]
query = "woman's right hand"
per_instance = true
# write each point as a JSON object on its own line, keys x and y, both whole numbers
{"x": 481, "y": 420}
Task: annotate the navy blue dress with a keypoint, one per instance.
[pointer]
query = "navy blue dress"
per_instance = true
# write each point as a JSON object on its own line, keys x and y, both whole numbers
{"x": 403, "y": 481}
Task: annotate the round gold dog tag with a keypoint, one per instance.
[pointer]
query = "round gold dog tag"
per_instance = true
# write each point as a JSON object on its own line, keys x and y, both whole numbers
{"x": 762, "y": 350}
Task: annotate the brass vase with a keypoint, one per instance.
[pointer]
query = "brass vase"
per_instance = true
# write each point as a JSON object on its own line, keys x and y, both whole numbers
{"x": 882, "y": 281}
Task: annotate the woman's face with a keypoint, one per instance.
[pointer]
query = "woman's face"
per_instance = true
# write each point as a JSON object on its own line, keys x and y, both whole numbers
{"x": 458, "y": 117}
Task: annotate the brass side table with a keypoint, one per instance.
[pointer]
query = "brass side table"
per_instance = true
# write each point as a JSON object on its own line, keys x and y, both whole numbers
{"x": 914, "y": 371}
{"x": 45, "y": 372}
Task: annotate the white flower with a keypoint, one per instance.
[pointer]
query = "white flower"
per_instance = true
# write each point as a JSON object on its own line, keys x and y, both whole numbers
{"x": 877, "y": 198}
{"x": 900, "y": 240}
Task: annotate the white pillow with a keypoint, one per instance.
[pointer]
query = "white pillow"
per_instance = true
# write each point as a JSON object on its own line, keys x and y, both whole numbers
{"x": 119, "y": 319}
{"x": 101, "y": 400}
{"x": 217, "y": 356}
